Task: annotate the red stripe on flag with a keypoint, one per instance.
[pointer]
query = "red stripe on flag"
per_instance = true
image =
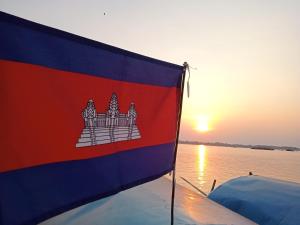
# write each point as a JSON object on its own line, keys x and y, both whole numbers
{"x": 41, "y": 114}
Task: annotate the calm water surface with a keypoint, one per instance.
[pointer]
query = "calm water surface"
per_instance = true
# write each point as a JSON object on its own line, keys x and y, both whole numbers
{"x": 202, "y": 164}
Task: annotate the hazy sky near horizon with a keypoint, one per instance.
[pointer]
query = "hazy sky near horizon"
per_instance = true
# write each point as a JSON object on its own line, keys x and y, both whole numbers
{"x": 247, "y": 54}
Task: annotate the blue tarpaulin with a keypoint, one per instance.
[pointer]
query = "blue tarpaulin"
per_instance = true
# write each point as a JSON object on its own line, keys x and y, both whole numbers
{"x": 264, "y": 200}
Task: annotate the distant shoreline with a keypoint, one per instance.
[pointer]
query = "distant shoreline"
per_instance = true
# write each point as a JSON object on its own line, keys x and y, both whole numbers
{"x": 256, "y": 147}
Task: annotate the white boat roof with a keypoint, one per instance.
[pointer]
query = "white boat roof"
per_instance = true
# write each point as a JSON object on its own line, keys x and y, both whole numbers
{"x": 149, "y": 204}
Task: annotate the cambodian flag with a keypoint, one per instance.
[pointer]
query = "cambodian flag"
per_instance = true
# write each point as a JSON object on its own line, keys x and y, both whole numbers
{"x": 80, "y": 120}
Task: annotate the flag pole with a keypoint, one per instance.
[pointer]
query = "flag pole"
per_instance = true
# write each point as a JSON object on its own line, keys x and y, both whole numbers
{"x": 185, "y": 65}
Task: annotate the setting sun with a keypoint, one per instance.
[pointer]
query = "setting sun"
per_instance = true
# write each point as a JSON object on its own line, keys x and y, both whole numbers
{"x": 203, "y": 123}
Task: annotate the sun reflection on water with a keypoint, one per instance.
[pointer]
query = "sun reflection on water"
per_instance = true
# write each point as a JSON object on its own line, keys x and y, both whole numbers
{"x": 201, "y": 161}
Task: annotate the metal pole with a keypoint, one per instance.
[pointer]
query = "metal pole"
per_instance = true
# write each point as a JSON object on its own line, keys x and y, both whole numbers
{"x": 213, "y": 185}
{"x": 185, "y": 65}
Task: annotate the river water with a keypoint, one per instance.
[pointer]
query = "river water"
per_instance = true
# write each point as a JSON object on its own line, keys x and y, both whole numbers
{"x": 201, "y": 164}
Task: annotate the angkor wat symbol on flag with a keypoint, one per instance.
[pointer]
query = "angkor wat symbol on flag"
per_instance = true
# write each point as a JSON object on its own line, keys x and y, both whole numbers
{"x": 108, "y": 127}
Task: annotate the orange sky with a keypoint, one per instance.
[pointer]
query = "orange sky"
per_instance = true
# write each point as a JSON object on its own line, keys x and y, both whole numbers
{"x": 246, "y": 54}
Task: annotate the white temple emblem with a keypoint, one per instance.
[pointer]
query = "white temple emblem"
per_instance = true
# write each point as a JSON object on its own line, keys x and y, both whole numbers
{"x": 112, "y": 126}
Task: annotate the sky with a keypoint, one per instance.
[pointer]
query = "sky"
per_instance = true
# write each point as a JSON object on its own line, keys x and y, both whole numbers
{"x": 244, "y": 54}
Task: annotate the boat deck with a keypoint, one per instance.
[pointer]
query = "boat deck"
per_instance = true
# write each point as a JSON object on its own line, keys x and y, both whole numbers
{"x": 149, "y": 204}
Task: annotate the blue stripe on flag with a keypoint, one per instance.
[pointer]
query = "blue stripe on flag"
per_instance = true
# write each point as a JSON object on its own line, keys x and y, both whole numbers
{"x": 44, "y": 191}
